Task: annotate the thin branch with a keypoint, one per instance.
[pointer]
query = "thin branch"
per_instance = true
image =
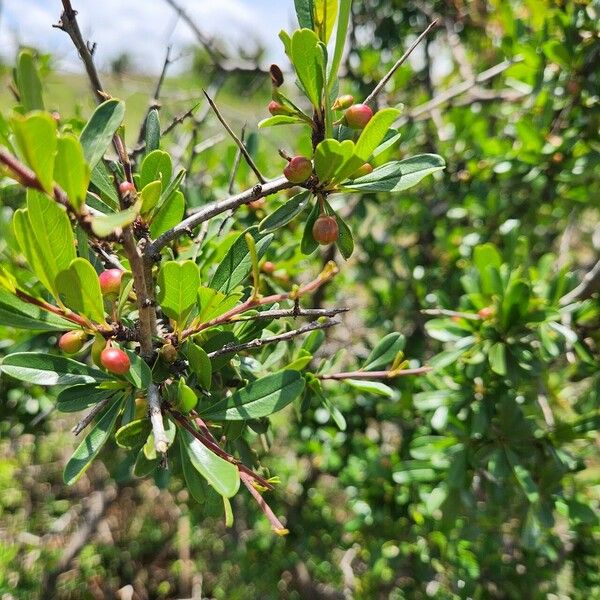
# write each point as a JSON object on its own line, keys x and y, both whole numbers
{"x": 236, "y": 139}
{"x": 208, "y": 211}
{"x": 87, "y": 419}
{"x": 268, "y": 512}
{"x": 260, "y": 342}
{"x": 326, "y": 275}
{"x": 236, "y": 163}
{"x": 456, "y": 90}
{"x": 589, "y": 284}
{"x": 375, "y": 374}
{"x": 158, "y": 429}
{"x": 373, "y": 95}
{"x": 311, "y": 313}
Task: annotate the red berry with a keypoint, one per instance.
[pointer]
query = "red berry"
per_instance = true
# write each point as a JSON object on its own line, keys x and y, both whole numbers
{"x": 115, "y": 360}
{"x": 325, "y": 230}
{"x": 110, "y": 281}
{"x": 298, "y": 170}
{"x": 275, "y": 108}
{"x": 126, "y": 187}
{"x": 362, "y": 171}
{"x": 72, "y": 341}
{"x": 343, "y": 102}
{"x": 486, "y": 312}
{"x": 268, "y": 267}
{"x": 358, "y": 115}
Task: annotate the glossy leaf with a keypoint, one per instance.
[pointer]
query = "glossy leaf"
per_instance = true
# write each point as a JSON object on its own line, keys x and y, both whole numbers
{"x": 169, "y": 214}
{"x": 106, "y": 225}
{"x": 28, "y": 81}
{"x": 308, "y": 61}
{"x": 178, "y": 283}
{"x": 36, "y": 138}
{"x": 285, "y": 213}
{"x": 213, "y": 304}
{"x": 200, "y": 365}
{"x": 49, "y": 369}
{"x": 82, "y": 396}
{"x": 134, "y": 434}
{"x": 308, "y": 244}
{"x": 79, "y": 289}
{"x": 259, "y": 398}
{"x": 152, "y": 131}
{"x": 157, "y": 166}
{"x": 98, "y": 132}
{"x": 222, "y": 475}
{"x": 91, "y": 444}
{"x": 17, "y": 313}
{"x": 384, "y": 352}
{"x": 305, "y": 13}
{"x": 71, "y": 172}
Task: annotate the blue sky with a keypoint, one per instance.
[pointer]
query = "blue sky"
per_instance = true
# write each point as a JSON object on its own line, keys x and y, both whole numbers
{"x": 142, "y": 27}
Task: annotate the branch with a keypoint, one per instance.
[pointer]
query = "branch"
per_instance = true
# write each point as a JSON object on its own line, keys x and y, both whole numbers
{"x": 208, "y": 211}
{"x": 375, "y": 374}
{"x": 259, "y": 343}
{"x": 158, "y": 428}
{"x": 457, "y": 90}
{"x": 589, "y": 284}
{"x": 326, "y": 275}
{"x": 295, "y": 313}
{"x": 434, "y": 312}
{"x": 276, "y": 524}
{"x": 373, "y": 95}
{"x": 237, "y": 140}
{"x": 87, "y": 419}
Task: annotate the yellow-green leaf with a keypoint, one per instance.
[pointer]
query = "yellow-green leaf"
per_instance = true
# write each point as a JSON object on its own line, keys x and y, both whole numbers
{"x": 71, "y": 172}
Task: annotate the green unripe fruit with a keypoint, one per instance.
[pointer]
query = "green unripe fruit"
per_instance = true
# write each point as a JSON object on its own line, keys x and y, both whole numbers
{"x": 168, "y": 353}
{"x": 325, "y": 230}
{"x": 298, "y": 170}
{"x": 114, "y": 360}
{"x": 72, "y": 341}
{"x": 343, "y": 102}
{"x": 362, "y": 171}
{"x": 358, "y": 115}
{"x": 110, "y": 282}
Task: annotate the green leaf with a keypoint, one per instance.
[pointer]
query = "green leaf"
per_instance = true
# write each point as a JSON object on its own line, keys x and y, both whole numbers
{"x": 195, "y": 483}
{"x": 286, "y": 213}
{"x": 374, "y": 133}
{"x": 71, "y": 172}
{"x": 345, "y": 241}
{"x": 385, "y": 351}
{"x": 497, "y": 358}
{"x": 557, "y": 52}
{"x": 523, "y": 476}
{"x": 331, "y": 156}
{"x": 484, "y": 257}
{"x": 259, "y": 398}
{"x": 29, "y": 83}
{"x": 325, "y": 15}
{"x": 178, "y": 283}
{"x": 170, "y": 214}
{"x": 398, "y": 176}
{"x": 98, "y": 132}
{"x": 237, "y": 263}
{"x": 186, "y": 397}
{"x": 280, "y": 120}
{"x": 213, "y": 303}
{"x": 150, "y": 197}
{"x": 200, "y": 365}
{"x": 515, "y": 302}
{"x": 152, "y": 131}
{"x": 80, "y": 397}
{"x": 220, "y": 473}
{"x": 134, "y": 434}
{"x": 44, "y": 233}
{"x": 157, "y": 166}
{"x": 305, "y": 13}
{"x": 371, "y": 387}
{"x": 14, "y": 312}
{"x": 308, "y": 60}
{"x": 79, "y": 289}
{"x": 49, "y": 369}
{"x": 91, "y": 444}
{"x": 139, "y": 374}
{"x": 308, "y": 244}
{"x": 36, "y": 139}
{"x": 340, "y": 42}
{"x": 106, "y": 225}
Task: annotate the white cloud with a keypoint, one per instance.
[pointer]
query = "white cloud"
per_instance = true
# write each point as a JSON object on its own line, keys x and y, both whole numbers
{"x": 142, "y": 28}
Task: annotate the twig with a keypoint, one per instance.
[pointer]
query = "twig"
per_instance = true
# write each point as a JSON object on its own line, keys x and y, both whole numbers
{"x": 295, "y": 313}
{"x": 276, "y": 524}
{"x": 457, "y": 90}
{"x": 236, "y": 163}
{"x": 375, "y": 374}
{"x": 158, "y": 428}
{"x": 379, "y": 87}
{"x": 260, "y": 342}
{"x": 236, "y": 139}
{"x": 589, "y": 284}
{"x": 87, "y": 419}
{"x": 208, "y": 211}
